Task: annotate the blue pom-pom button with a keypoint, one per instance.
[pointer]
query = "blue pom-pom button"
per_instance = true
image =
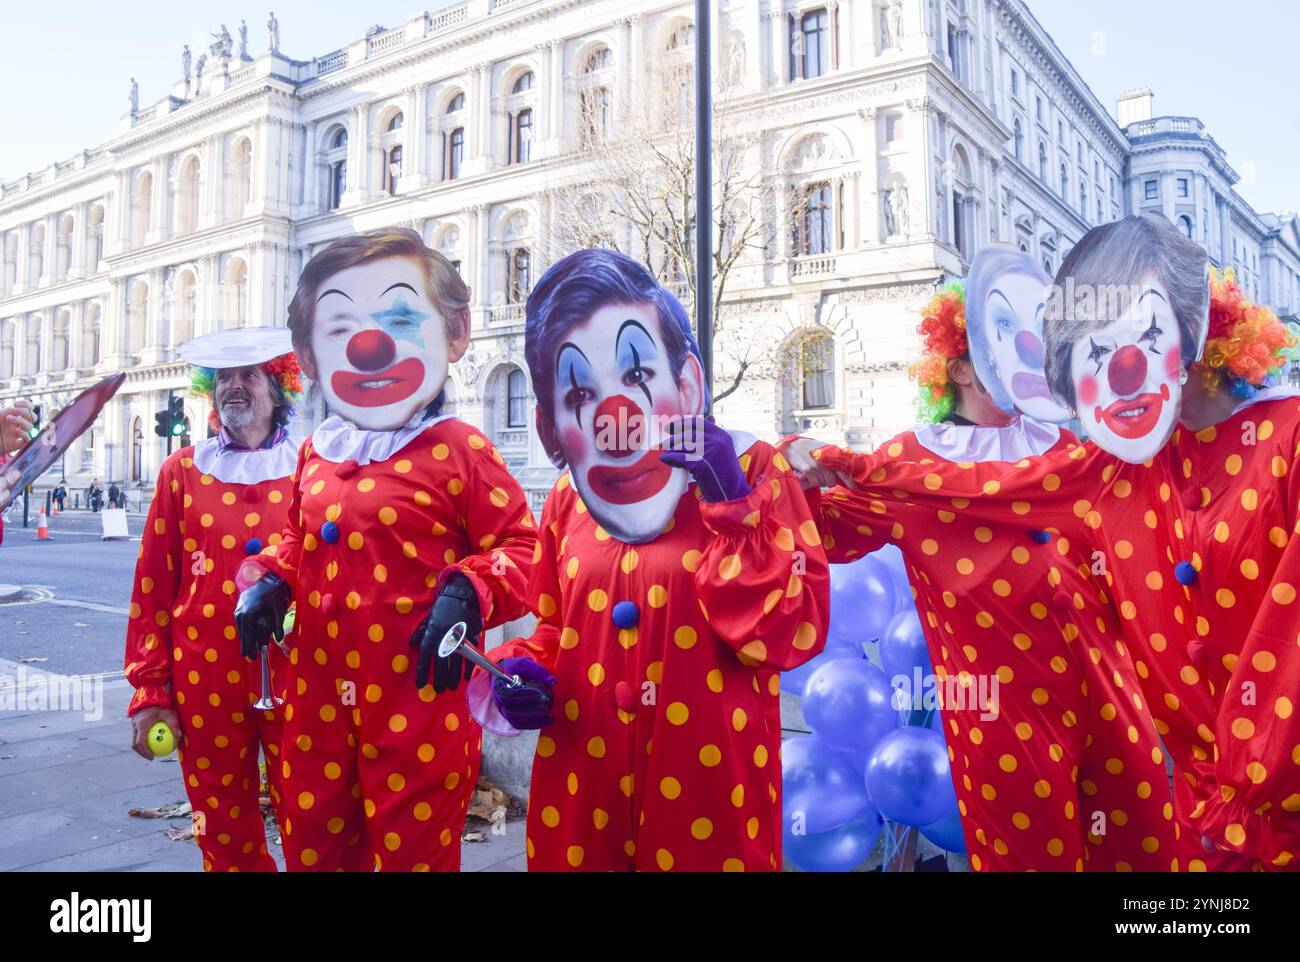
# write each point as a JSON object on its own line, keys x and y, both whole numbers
{"x": 626, "y": 614}
{"x": 329, "y": 532}
{"x": 252, "y": 546}
{"x": 1042, "y": 537}
{"x": 1185, "y": 572}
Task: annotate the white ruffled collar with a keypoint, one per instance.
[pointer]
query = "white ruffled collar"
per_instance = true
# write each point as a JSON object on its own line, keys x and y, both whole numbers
{"x": 1022, "y": 438}
{"x": 338, "y": 440}
{"x": 241, "y": 466}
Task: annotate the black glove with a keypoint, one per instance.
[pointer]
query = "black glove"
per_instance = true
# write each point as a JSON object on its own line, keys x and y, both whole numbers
{"x": 259, "y": 613}
{"x": 456, "y": 602}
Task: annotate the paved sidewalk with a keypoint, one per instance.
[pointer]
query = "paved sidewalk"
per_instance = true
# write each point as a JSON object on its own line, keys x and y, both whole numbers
{"x": 67, "y": 783}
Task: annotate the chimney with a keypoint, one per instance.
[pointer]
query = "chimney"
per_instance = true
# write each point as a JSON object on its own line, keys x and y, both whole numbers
{"x": 1133, "y": 105}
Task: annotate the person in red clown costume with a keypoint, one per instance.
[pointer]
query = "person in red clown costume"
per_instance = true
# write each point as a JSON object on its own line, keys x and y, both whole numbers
{"x": 1238, "y": 452}
{"x": 1062, "y": 742}
{"x": 404, "y": 523}
{"x": 1125, "y": 318}
{"x": 215, "y": 503}
{"x": 678, "y": 569}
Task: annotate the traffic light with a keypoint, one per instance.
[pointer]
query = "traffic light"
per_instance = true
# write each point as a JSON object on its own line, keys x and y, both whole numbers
{"x": 36, "y": 422}
{"x": 161, "y": 426}
{"x": 176, "y": 416}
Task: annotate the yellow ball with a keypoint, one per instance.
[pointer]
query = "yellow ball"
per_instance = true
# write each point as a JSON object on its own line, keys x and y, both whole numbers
{"x": 161, "y": 740}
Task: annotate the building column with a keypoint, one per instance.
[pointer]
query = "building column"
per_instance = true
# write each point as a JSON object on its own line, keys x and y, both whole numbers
{"x": 1167, "y": 199}
{"x": 483, "y": 160}
{"x": 24, "y": 281}
{"x": 868, "y": 208}
{"x": 557, "y": 92}
{"x": 1225, "y": 232}
{"x": 76, "y": 347}
{"x": 80, "y": 221}
{"x": 778, "y": 44}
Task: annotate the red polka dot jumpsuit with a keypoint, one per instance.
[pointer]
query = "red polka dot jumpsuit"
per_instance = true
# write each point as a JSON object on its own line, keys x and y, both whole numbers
{"x": 182, "y": 653}
{"x": 664, "y": 754}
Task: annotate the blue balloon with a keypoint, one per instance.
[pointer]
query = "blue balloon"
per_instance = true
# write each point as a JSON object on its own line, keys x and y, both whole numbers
{"x": 908, "y": 778}
{"x": 822, "y": 789}
{"x": 947, "y": 833}
{"x": 849, "y": 705}
{"x": 795, "y": 680}
{"x": 862, "y": 601}
{"x": 903, "y": 648}
{"x": 841, "y": 849}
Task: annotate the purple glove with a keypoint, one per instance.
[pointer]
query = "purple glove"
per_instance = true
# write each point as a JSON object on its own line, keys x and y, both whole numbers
{"x": 708, "y": 454}
{"x": 528, "y": 706}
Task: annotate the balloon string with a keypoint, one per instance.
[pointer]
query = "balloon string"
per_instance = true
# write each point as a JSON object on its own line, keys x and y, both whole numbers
{"x": 896, "y": 836}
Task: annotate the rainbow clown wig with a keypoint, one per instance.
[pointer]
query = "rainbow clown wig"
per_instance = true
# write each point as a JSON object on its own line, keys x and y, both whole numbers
{"x": 286, "y": 387}
{"x": 943, "y": 338}
{"x": 1246, "y": 343}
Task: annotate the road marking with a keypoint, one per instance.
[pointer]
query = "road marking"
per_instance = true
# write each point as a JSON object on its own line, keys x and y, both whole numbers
{"x": 92, "y": 606}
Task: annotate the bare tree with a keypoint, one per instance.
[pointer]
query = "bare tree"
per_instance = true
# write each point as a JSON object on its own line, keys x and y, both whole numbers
{"x": 635, "y": 192}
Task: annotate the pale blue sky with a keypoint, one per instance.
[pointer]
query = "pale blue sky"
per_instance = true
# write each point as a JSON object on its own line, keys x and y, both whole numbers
{"x": 65, "y": 66}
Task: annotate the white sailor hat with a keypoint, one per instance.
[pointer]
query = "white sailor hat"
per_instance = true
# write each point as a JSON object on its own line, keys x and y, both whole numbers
{"x": 238, "y": 347}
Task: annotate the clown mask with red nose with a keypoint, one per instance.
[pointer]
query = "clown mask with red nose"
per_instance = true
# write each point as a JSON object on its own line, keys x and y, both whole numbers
{"x": 380, "y": 348}
{"x": 1128, "y": 376}
{"x": 614, "y": 393}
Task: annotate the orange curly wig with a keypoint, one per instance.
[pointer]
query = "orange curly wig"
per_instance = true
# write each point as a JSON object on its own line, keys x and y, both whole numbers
{"x": 1246, "y": 343}
{"x": 943, "y": 338}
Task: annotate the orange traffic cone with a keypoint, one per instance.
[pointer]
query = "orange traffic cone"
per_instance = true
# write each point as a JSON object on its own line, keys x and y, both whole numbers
{"x": 43, "y": 527}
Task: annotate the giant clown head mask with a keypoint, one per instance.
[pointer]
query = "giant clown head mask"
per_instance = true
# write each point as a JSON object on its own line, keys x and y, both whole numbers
{"x": 1126, "y": 317}
{"x": 377, "y": 320}
{"x": 613, "y": 362}
{"x": 1005, "y": 300}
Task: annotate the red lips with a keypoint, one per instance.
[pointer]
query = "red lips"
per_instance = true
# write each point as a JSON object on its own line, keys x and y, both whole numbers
{"x": 380, "y": 388}
{"x": 627, "y": 485}
{"x": 1147, "y": 408}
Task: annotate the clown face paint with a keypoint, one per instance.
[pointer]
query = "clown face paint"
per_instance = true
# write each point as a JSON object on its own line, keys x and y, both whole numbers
{"x": 380, "y": 346}
{"x": 1008, "y": 354}
{"x": 613, "y": 395}
{"x": 1128, "y": 377}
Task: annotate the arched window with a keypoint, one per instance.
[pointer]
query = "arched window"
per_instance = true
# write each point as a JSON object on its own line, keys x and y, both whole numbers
{"x": 137, "y": 317}
{"x": 90, "y": 336}
{"x": 524, "y": 83}
{"x": 600, "y": 59}
{"x": 187, "y": 197}
{"x": 1042, "y": 162}
{"x": 63, "y": 249}
{"x": 814, "y": 231}
{"x": 59, "y": 362}
{"x": 239, "y": 177}
{"x": 1185, "y": 225}
{"x": 336, "y": 164}
{"x": 455, "y": 152}
{"x": 1083, "y": 200}
{"x": 1065, "y": 182}
{"x": 184, "y": 301}
{"x": 36, "y": 254}
{"x": 456, "y": 104}
{"x": 235, "y": 285}
{"x": 391, "y": 149}
{"x": 1020, "y": 140}
{"x": 521, "y": 137}
{"x": 95, "y": 238}
{"x": 141, "y": 207}
{"x": 817, "y": 372}
{"x": 594, "y": 104}
{"x": 516, "y": 400}
{"x": 520, "y": 279}
{"x": 682, "y": 37}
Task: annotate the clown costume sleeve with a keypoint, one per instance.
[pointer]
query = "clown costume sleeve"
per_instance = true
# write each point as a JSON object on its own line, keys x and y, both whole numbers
{"x": 1121, "y": 521}
{"x": 1242, "y": 497}
{"x": 766, "y": 545}
{"x": 158, "y": 579}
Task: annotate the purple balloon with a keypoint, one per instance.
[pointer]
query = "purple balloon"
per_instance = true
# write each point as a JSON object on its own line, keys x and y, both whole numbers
{"x": 841, "y": 849}
{"x": 862, "y": 601}
{"x": 795, "y": 680}
{"x": 822, "y": 789}
{"x": 946, "y": 833}
{"x": 849, "y": 705}
{"x": 903, "y": 648}
{"x": 908, "y": 777}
